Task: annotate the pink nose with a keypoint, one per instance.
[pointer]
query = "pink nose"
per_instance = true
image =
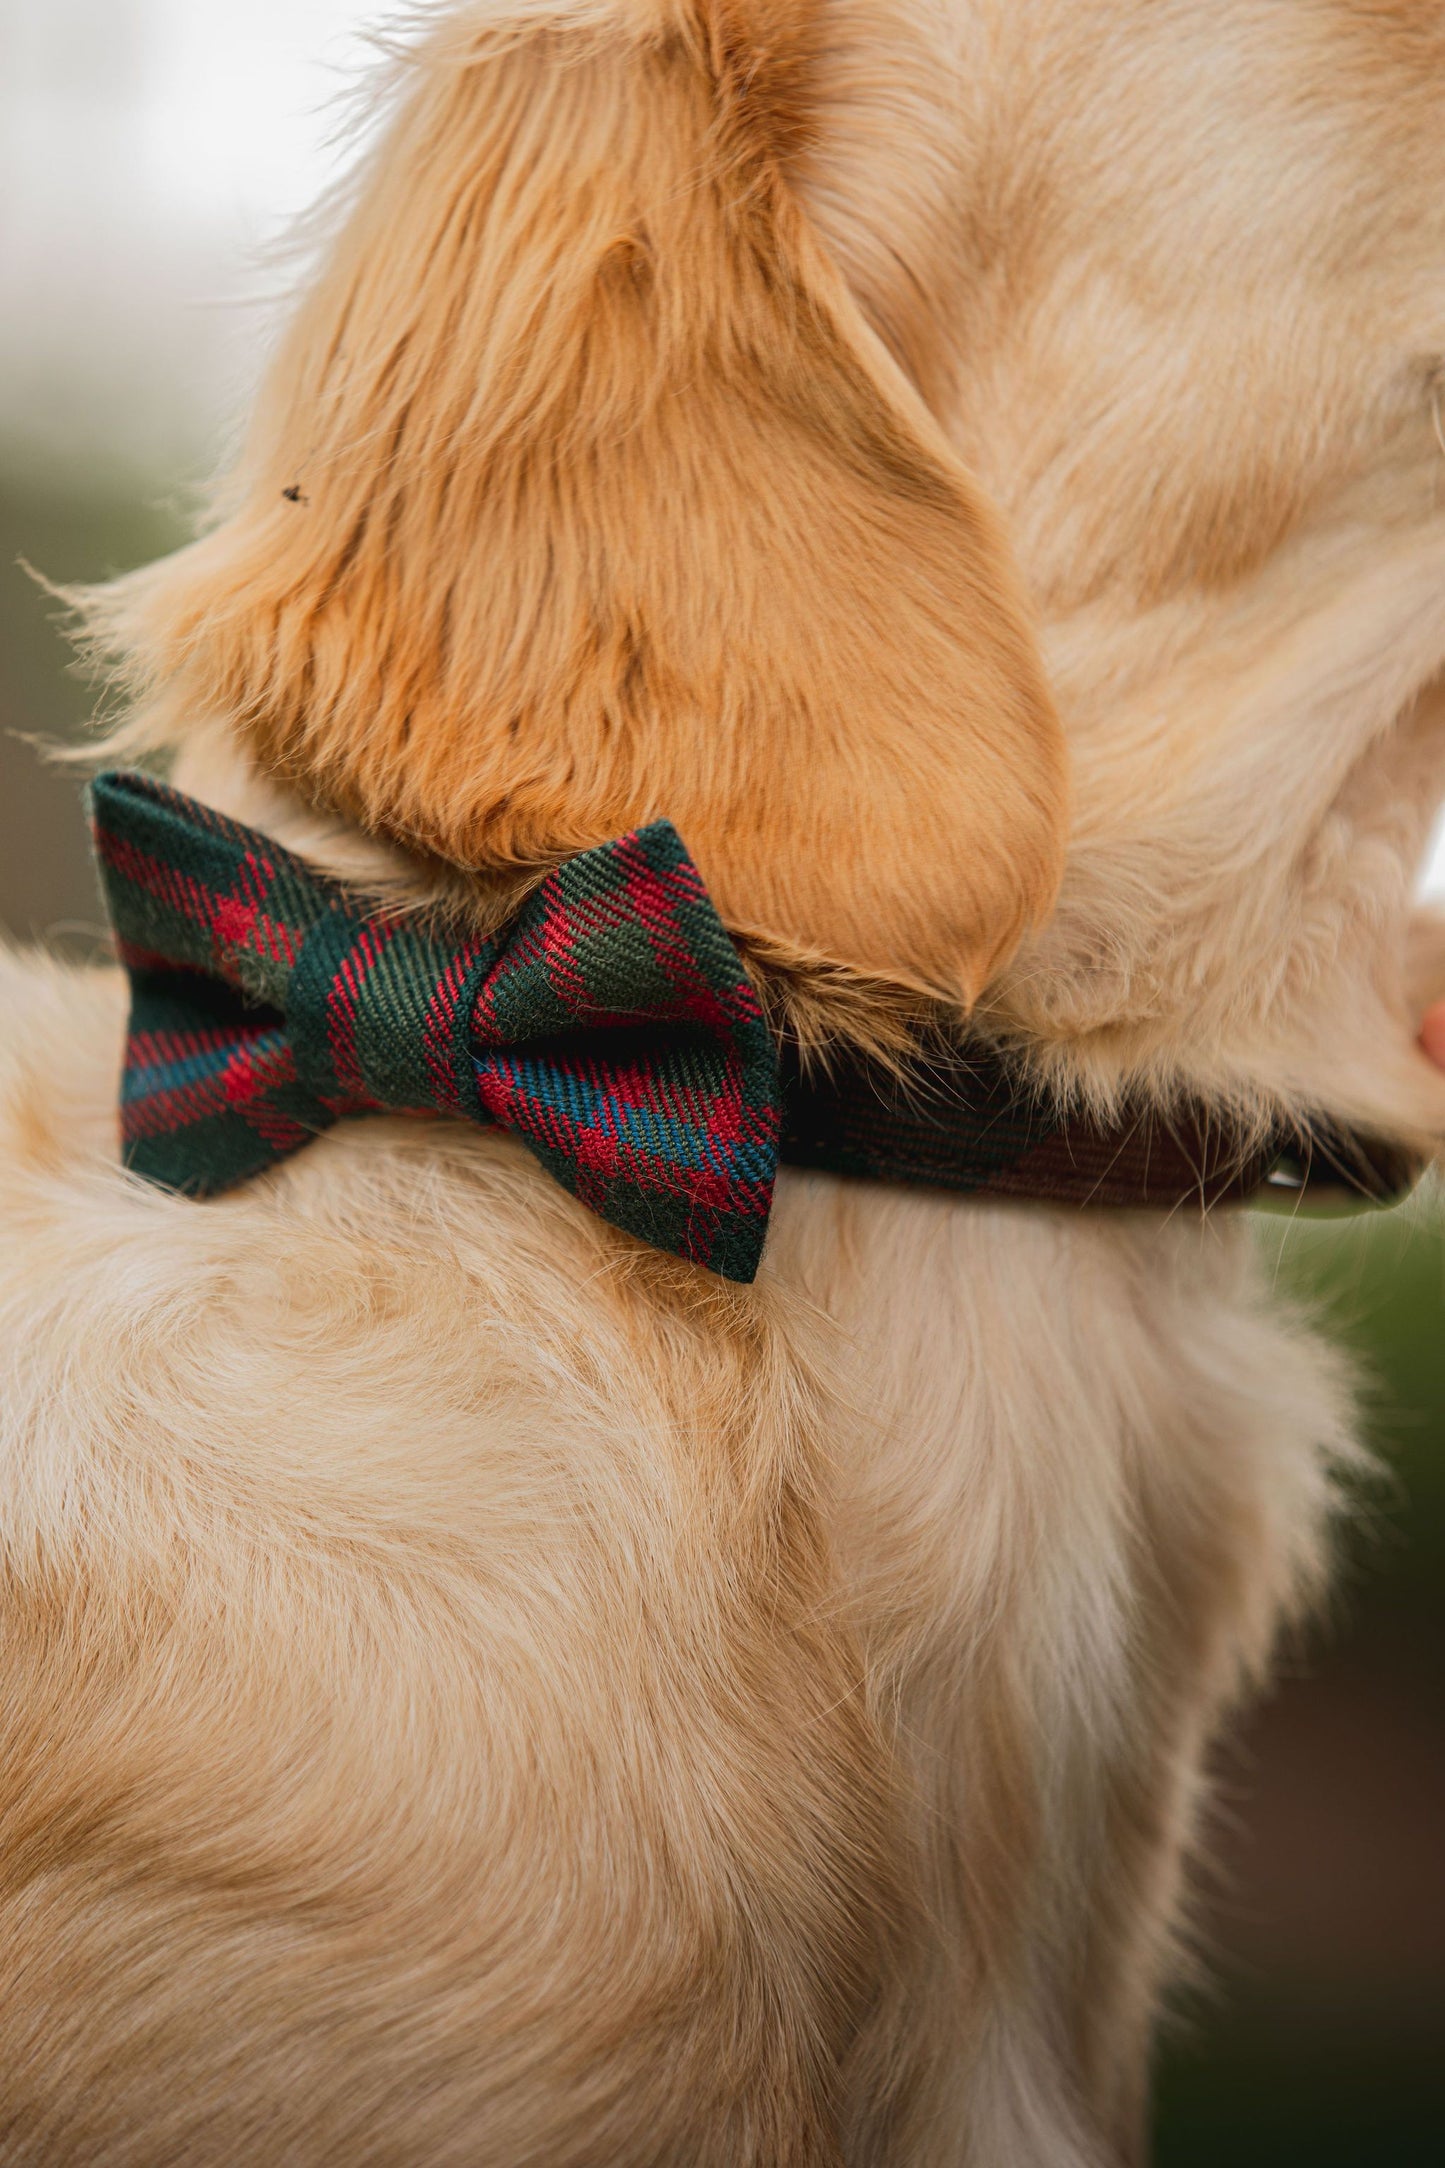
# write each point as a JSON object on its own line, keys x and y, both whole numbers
{"x": 1432, "y": 1035}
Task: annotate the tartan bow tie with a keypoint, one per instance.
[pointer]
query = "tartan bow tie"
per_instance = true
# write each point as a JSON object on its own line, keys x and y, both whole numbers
{"x": 610, "y": 1025}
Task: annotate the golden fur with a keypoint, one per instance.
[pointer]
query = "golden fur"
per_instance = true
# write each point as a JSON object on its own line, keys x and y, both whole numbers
{"x": 622, "y": 510}
{"x": 476, "y": 1692}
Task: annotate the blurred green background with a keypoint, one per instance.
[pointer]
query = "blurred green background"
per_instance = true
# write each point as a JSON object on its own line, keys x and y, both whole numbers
{"x": 1319, "y": 2034}
{"x": 1320, "y": 2037}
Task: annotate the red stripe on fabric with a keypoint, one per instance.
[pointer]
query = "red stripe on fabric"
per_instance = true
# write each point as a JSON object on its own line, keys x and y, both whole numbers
{"x": 653, "y": 898}
{"x": 599, "y": 1153}
{"x": 280, "y": 1131}
{"x": 256, "y": 875}
{"x": 250, "y": 1079}
{"x": 699, "y": 1238}
{"x": 342, "y": 996}
{"x": 440, "y": 1023}
{"x": 562, "y": 926}
{"x": 657, "y": 898}
{"x": 232, "y": 922}
{"x": 341, "y": 999}
{"x": 160, "y": 1113}
{"x": 513, "y": 1107}
{"x": 232, "y": 1089}
{"x": 278, "y": 941}
{"x": 156, "y": 1049}
{"x": 251, "y": 1070}
{"x": 159, "y": 879}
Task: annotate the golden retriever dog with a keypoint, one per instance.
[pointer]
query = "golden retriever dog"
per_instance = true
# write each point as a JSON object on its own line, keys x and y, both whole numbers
{"x": 478, "y": 1691}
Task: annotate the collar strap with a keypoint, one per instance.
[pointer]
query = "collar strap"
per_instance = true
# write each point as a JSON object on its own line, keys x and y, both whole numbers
{"x": 969, "y": 1121}
{"x": 610, "y": 1025}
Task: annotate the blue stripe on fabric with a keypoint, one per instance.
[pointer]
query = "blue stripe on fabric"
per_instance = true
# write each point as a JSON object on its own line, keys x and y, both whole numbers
{"x": 585, "y": 1105}
{"x": 166, "y": 1076}
{"x": 145, "y": 1080}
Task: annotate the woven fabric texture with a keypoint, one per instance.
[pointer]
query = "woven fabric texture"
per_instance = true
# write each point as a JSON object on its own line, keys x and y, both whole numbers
{"x": 969, "y": 1121}
{"x": 610, "y": 1026}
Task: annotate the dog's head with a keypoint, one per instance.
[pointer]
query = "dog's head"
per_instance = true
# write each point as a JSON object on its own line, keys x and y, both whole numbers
{"x": 585, "y": 494}
{"x": 686, "y": 386}
{"x": 1192, "y": 342}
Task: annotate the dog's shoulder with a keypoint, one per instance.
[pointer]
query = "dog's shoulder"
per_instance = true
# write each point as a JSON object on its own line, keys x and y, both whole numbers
{"x": 282, "y": 1339}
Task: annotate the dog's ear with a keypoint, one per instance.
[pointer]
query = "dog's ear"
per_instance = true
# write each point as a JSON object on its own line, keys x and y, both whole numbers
{"x": 582, "y": 495}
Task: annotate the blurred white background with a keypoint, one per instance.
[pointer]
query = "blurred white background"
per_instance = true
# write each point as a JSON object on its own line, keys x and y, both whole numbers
{"x": 153, "y": 153}
{"x": 150, "y": 152}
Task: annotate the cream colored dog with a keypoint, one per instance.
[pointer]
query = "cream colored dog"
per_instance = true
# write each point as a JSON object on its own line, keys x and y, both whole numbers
{"x": 475, "y": 1691}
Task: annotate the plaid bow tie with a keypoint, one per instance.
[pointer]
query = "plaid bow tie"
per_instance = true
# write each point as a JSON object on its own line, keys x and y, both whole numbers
{"x": 609, "y": 1025}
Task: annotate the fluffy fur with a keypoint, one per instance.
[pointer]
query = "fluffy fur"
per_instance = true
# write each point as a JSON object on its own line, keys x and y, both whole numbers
{"x": 475, "y": 1692}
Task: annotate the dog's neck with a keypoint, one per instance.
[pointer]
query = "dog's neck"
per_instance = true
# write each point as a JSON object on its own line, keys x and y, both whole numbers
{"x": 214, "y": 767}
{"x": 206, "y": 909}
{"x": 1234, "y": 1149}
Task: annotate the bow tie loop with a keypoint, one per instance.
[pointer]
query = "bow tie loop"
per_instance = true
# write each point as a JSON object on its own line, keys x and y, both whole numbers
{"x": 610, "y": 1025}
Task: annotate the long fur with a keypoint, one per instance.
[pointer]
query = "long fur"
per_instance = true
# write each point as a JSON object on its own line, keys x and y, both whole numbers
{"x": 606, "y": 504}
{"x": 477, "y": 1692}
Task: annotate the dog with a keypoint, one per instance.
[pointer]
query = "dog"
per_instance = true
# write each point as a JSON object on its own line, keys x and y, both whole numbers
{"x": 479, "y": 1690}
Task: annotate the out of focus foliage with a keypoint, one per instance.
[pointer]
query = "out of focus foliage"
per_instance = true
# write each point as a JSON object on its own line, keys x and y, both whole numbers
{"x": 1320, "y": 2037}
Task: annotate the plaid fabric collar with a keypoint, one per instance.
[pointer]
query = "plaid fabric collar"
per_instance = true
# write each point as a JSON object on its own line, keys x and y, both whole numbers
{"x": 610, "y": 1025}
